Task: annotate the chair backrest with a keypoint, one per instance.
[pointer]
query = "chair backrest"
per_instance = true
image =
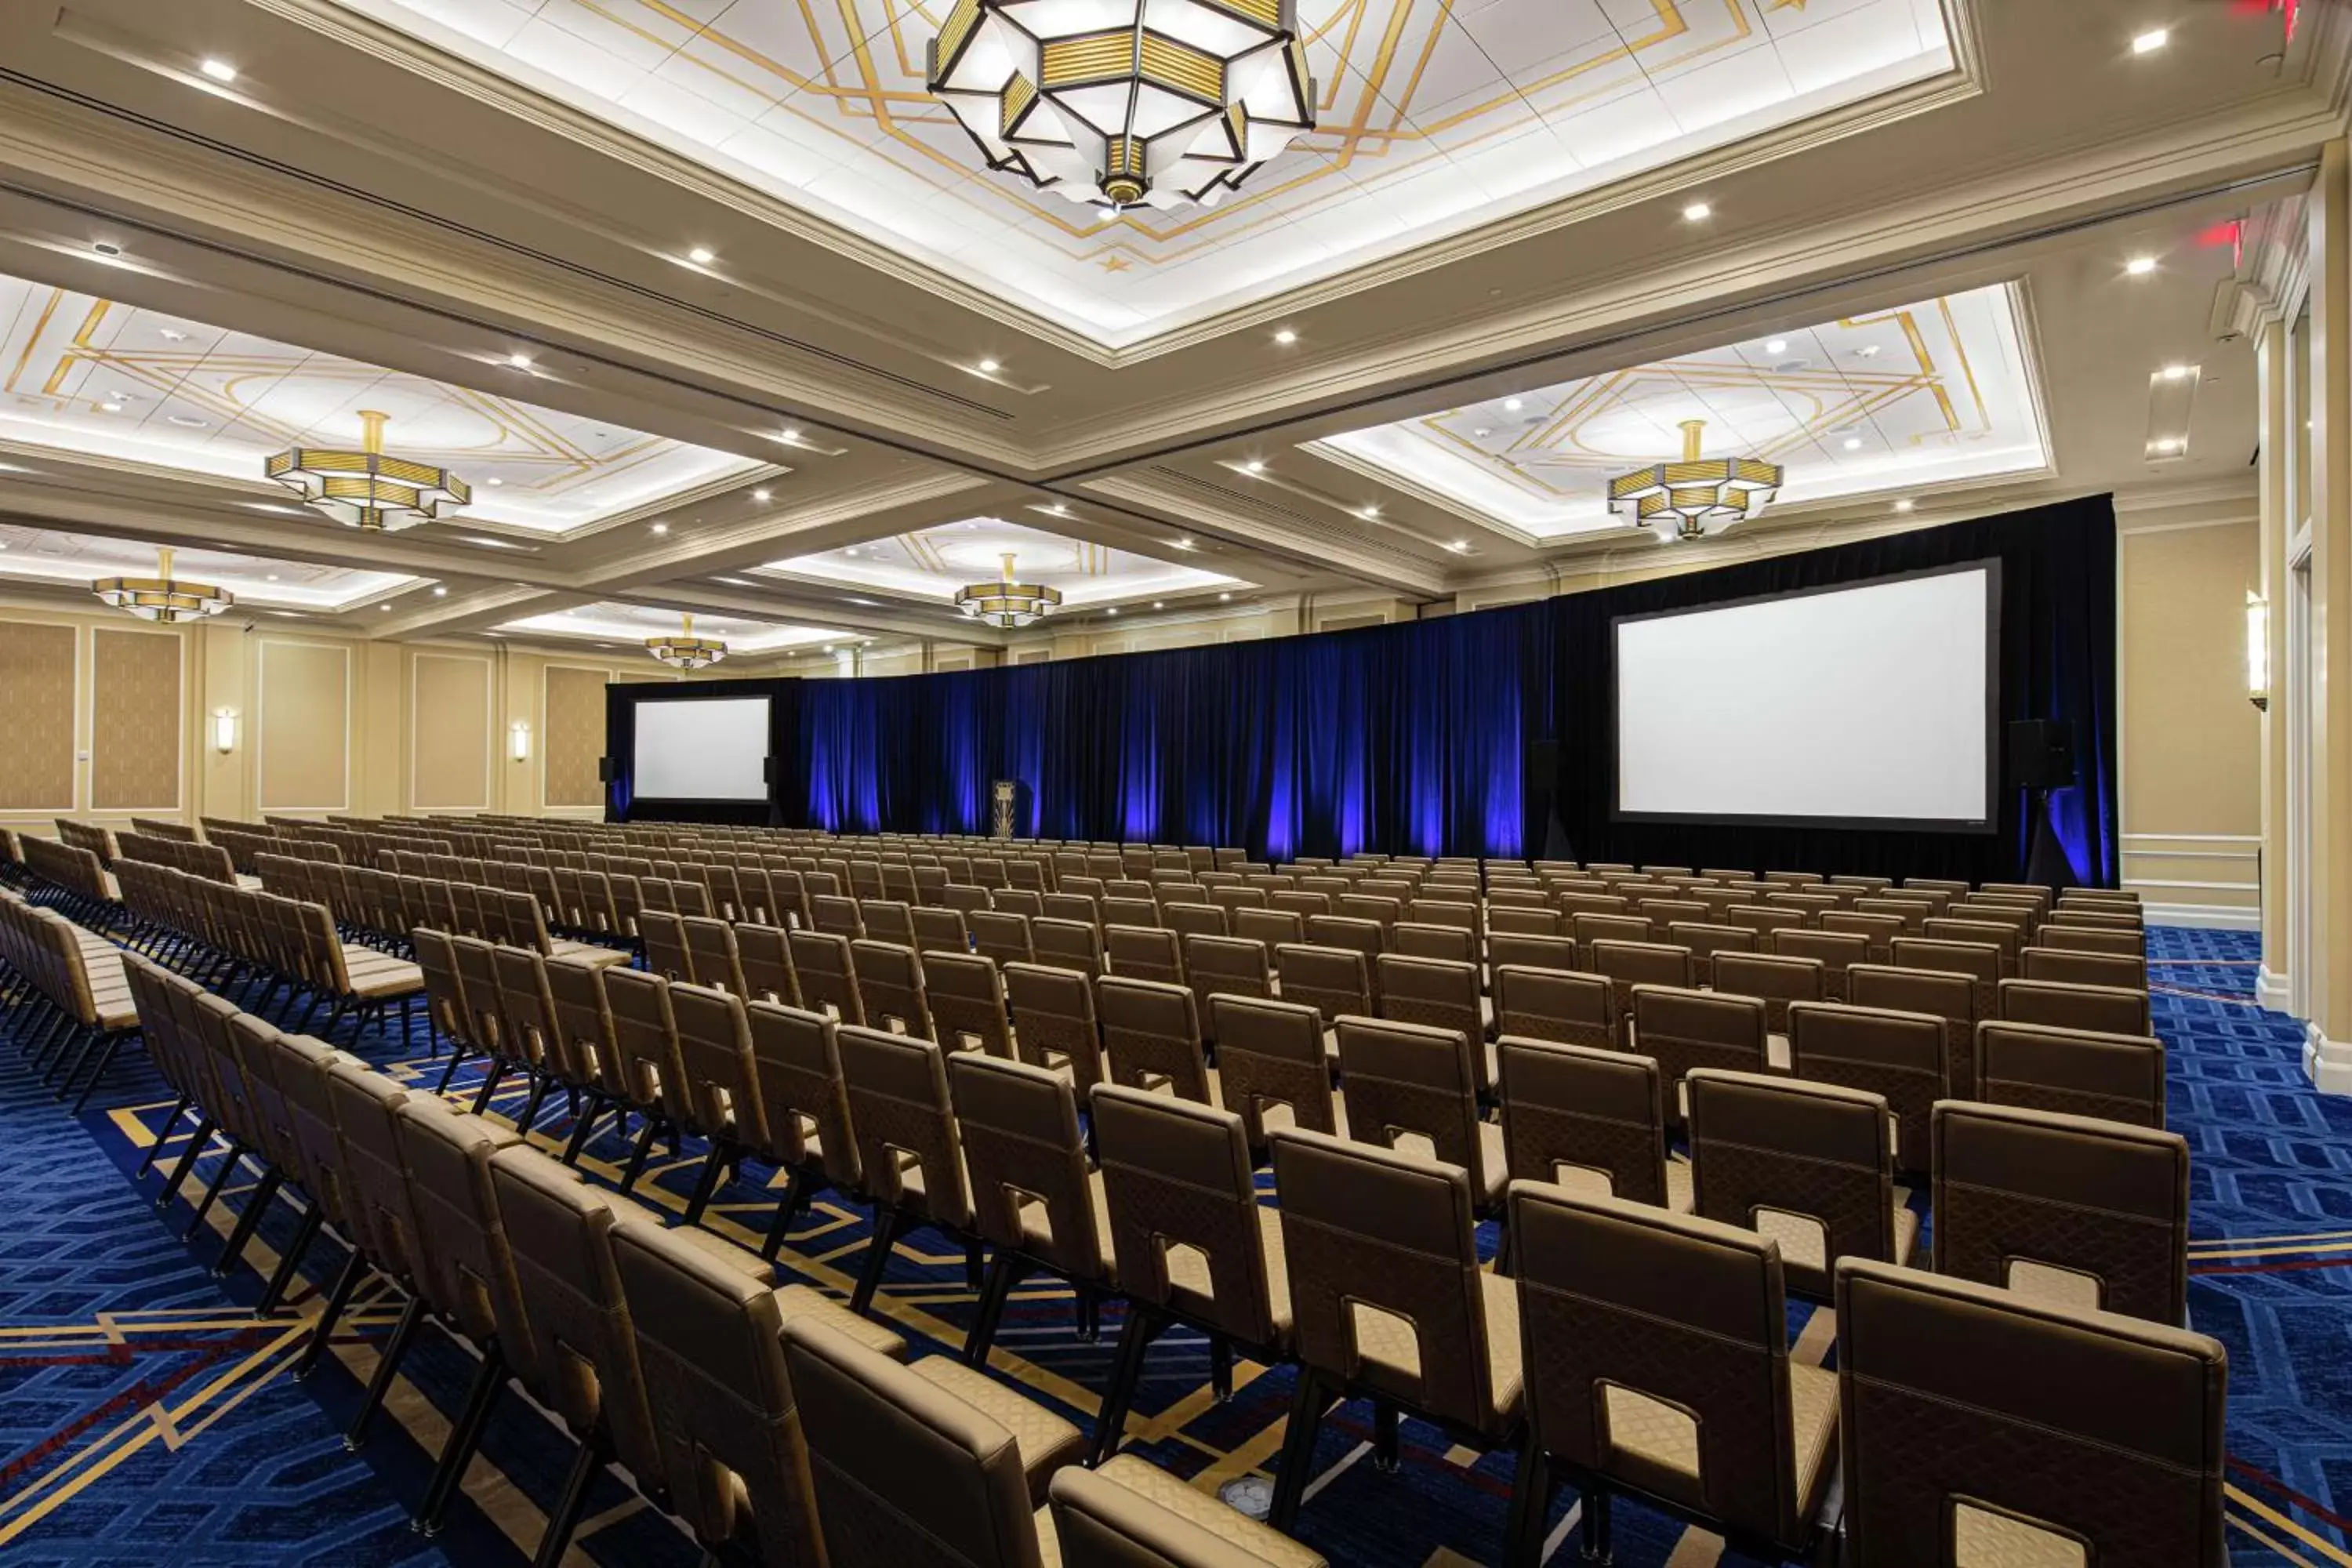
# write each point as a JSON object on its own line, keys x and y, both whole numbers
{"x": 1331, "y": 980}
{"x": 645, "y": 1034}
{"x": 901, "y": 1470}
{"x": 1901, "y": 1057}
{"x": 466, "y": 1270}
{"x": 1809, "y": 1164}
{"x": 1587, "y": 1118}
{"x": 827, "y": 974}
{"x": 804, "y": 1103}
{"x": 2091, "y": 939}
{"x": 2109, "y": 1009}
{"x": 1686, "y": 1029}
{"x": 1224, "y": 965}
{"x": 723, "y": 1084}
{"x": 1068, "y": 944}
{"x": 1413, "y": 1081}
{"x": 1271, "y": 1053}
{"x": 1949, "y": 995}
{"x": 1835, "y": 951}
{"x": 967, "y": 1002}
{"x": 527, "y": 1007}
{"x": 1002, "y": 935}
{"x": 2083, "y": 1213}
{"x": 1124, "y": 1516}
{"x": 665, "y": 942}
{"x": 1027, "y": 1163}
{"x": 379, "y": 1206}
{"x": 1440, "y": 993}
{"x": 1556, "y": 1004}
{"x": 1972, "y": 1417}
{"x": 899, "y": 1106}
{"x": 1657, "y": 1355}
{"x": 890, "y": 986}
{"x": 715, "y": 956}
{"x": 765, "y": 954}
{"x": 583, "y": 1016}
{"x": 2126, "y": 972}
{"x": 708, "y": 1335}
{"x": 1186, "y": 1225}
{"x": 1777, "y": 979}
{"x": 1626, "y": 965}
{"x": 1054, "y": 1020}
{"x": 1151, "y": 1034}
{"x": 1384, "y": 1277}
{"x": 2075, "y": 1072}
{"x": 888, "y": 920}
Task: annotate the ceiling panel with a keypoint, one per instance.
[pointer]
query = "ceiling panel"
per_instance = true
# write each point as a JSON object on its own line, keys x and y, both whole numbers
{"x": 625, "y": 625}
{"x": 46, "y": 555}
{"x": 935, "y": 562}
{"x": 1938, "y": 392}
{"x": 1433, "y": 119}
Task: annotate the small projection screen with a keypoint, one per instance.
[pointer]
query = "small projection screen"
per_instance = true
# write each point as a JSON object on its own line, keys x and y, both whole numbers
{"x": 1864, "y": 705}
{"x": 706, "y": 748}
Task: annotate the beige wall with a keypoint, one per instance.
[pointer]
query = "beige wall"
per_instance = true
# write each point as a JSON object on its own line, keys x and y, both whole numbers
{"x": 2190, "y": 741}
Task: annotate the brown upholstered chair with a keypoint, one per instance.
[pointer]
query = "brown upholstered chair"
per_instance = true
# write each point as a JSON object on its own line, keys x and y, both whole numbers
{"x": 591, "y": 1045}
{"x": 932, "y": 1463}
{"x": 1002, "y": 935}
{"x": 1628, "y": 965}
{"x": 663, "y": 935}
{"x": 1193, "y": 1245}
{"x": 1684, "y": 1029}
{"x": 2074, "y": 1072}
{"x": 764, "y": 955}
{"x": 2125, "y": 971}
{"x": 1978, "y": 1426}
{"x": 721, "y": 1083}
{"x": 2076, "y": 938}
{"x": 1152, "y": 1036}
{"x": 1271, "y": 1054}
{"x": 2003, "y": 938}
{"x": 1224, "y": 965}
{"x": 1392, "y": 1303}
{"x": 2108, "y": 1009}
{"x": 1132, "y": 1514}
{"x": 1033, "y": 1198}
{"x": 1511, "y": 948}
{"x": 1054, "y": 1020}
{"x": 1878, "y": 930}
{"x": 805, "y": 1109}
{"x": 1144, "y": 952}
{"x": 716, "y": 958}
{"x": 707, "y": 1325}
{"x": 1420, "y": 1083}
{"x": 1901, "y": 1057}
{"x": 1331, "y": 980}
{"x": 1949, "y": 995}
{"x": 1982, "y": 962}
{"x": 1656, "y": 1348}
{"x": 967, "y": 1003}
{"x": 1809, "y": 1164}
{"x": 908, "y": 1150}
{"x": 645, "y": 1037}
{"x": 2072, "y": 1211}
{"x": 827, "y": 974}
{"x": 1777, "y": 979}
{"x": 890, "y": 989}
{"x": 1556, "y": 1004}
{"x": 1590, "y": 1119}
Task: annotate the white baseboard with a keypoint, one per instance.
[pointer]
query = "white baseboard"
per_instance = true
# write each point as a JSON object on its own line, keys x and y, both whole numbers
{"x": 2327, "y": 1063}
{"x": 2270, "y": 990}
{"x": 2211, "y": 917}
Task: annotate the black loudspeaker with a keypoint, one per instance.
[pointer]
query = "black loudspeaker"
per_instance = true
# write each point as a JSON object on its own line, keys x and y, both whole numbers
{"x": 2041, "y": 754}
{"x": 1541, "y": 786}
{"x": 767, "y": 772}
{"x": 604, "y": 770}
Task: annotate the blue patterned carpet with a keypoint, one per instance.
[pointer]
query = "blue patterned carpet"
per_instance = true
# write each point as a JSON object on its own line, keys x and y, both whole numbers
{"x": 144, "y": 1417}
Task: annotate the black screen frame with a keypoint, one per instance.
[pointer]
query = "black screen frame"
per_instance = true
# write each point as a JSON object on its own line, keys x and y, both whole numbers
{"x": 1990, "y": 823}
{"x": 767, "y": 761}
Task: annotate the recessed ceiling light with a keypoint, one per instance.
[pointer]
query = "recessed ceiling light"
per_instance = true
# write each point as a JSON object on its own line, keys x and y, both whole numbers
{"x": 1867, "y": 351}
{"x": 385, "y": 609}
{"x": 272, "y": 577}
{"x": 111, "y": 406}
{"x": 702, "y": 255}
{"x": 1184, "y": 544}
{"x": 173, "y": 334}
{"x": 1057, "y": 509}
{"x": 521, "y": 362}
{"x": 989, "y": 367}
{"x": 1853, "y": 442}
{"x": 219, "y": 70}
{"x": 1697, "y": 212}
{"x": 2155, "y": 38}
{"x": 2168, "y": 444}
{"x": 762, "y": 495}
{"x": 1253, "y": 466}
{"x": 828, "y": 647}
{"x": 869, "y": 604}
{"x": 788, "y": 433}
{"x": 440, "y": 591}
{"x": 106, "y": 247}
{"x": 1224, "y": 598}
{"x": 184, "y": 421}
{"x": 2176, "y": 372}
{"x": 1513, "y": 404}
{"x": 1369, "y": 513}
{"x": 1905, "y": 505}
{"x": 850, "y": 550}
{"x": 1112, "y": 611}
{"x": 1776, "y": 346}
{"x": 661, "y": 528}
{"x": 2140, "y": 266}
{"x": 494, "y": 481}
{"x": 1286, "y": 336}
{"x": 1459, "y": 544}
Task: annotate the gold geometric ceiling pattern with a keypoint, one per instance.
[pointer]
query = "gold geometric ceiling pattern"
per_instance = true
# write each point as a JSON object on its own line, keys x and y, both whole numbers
{"x": 1436, "y": 117}
{"x": 91, "y": 376}
{"x": 1932, "y": 393}
{"x": 932, "y": 563}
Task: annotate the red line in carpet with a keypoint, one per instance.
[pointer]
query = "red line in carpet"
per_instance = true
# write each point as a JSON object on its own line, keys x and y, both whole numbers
{"x": 138, "y": 1396}
{"x": 2269, "y": 1482}
{"x": 2278, "y": 1267}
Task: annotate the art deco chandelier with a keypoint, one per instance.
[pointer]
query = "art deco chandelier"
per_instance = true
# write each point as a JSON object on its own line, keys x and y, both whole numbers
{"x": 369, "y": 490}
{"x": 161, "y": 598}
{"x": 1122, "y": 103}
{"x": 686, "y": 651}
{"x": 1005, "y": 603}
{"x": 1697, "y": 495}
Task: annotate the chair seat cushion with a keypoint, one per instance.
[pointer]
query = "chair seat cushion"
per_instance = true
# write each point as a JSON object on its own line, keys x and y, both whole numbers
{"x": 1258, "y": 1542}
{"x": 588, "y": 953}
{"x": 1046, "y": 1441}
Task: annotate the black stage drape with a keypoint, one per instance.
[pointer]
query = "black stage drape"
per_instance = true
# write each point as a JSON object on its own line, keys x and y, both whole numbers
{"x": 1418, "y": 739}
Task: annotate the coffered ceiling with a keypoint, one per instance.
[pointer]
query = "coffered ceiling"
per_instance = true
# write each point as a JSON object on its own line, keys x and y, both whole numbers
{"x": 1434, "y": 119}
{"x": 1933, "y": 255}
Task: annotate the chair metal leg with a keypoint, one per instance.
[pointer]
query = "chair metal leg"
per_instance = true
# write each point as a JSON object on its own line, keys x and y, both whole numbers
{"x": 105, "y": 1060}
{"x": 1308, "y": 1404}
{"x": 1086, "y": 1303}
{"x": 1221, "y": 1367}
{"x": 889, "y": 1225}
{"x": 796, "y": 1200}
{"x": 594, "y": 1452}
{"x": 196, "y": 1142}
{"x": 457, "y": 1054}
{"x": 387, "y": 1367}
{"x": 638, "y": 1156}
{"x": 1530, "y": 1504}
{"x": 706, "y": 1182}
{"x": 540, "y": 1084}
{"x": 1385, "y": 1451}
{"x": 213, "y": 1193}
{"x": 971, "y": 1268}
{"x": 247, "y": 1223}
{"x": 1134, "y": 1338}
{"x": 1003, "y": 1273}
{"x": 289, "y": 1261}
{"x": 354, "y": 1270}
{"x": 68, "y": 1065}
{"x": 1598, "y": 1547}
{"x": 489, "y": 1085}
{"x": 465, "y": 1438}
{"x": 163, "y": 1136}
{"x": 581, "y": 1130}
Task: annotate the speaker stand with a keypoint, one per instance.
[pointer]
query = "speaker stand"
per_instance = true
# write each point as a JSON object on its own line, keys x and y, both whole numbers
{"x": 2045, "y": 860}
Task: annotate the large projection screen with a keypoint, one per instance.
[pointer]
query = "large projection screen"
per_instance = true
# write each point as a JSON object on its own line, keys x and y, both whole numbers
{"x": 1867, "y": 705}
{"x": 703, "y": 748}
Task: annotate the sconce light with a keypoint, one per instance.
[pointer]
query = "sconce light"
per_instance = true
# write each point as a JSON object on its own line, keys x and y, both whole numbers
{"x": 224, "y": 731}
{"x": 2258, "y": 651}
{"x": 519, "y": 740}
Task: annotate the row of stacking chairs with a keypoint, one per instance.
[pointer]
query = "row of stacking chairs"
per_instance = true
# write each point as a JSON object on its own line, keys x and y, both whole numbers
{"x": 182, "y": 854}
{"x": 380, "y": 907}
{"x": 244, "y": 935}
{"x": 75, "y": 1006}
{"x": 79, "y": 876}
{"x": 666, "y": 1350}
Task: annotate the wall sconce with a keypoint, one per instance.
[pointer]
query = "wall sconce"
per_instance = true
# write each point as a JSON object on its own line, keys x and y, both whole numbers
{"x": 519, "y": 740}
{"x": 224, "y": 731}
{"x": 2258, "y": 651}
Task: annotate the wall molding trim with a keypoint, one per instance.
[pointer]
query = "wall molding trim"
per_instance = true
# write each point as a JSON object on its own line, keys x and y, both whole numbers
{"x": 2272, "y": 990}
{"x": 2327, "y": 1063}
{"x": 2206, "y": 917}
